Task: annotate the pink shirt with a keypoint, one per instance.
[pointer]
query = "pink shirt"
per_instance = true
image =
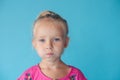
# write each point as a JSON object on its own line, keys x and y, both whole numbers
{"x": 34, "y": 73}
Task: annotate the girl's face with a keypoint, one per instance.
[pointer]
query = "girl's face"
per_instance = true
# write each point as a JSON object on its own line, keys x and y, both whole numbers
{"x": 49, "y": 40}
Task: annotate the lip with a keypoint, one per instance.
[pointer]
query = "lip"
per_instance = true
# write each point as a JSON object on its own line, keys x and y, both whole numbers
{"x": 49, "y": 53}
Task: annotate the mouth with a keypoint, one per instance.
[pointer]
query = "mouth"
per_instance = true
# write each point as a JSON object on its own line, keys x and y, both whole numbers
{"x": 49, "y": 54}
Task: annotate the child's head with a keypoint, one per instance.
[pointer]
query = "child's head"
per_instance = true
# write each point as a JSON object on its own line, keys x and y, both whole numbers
{"x": 50, "y": 35}
{"x": 54, "y": 18}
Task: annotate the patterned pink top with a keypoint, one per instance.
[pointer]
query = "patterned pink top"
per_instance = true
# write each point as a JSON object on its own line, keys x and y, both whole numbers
{"x": 34, "y": 73}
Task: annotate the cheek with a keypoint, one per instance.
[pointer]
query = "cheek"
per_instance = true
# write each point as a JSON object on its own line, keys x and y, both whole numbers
{"x": 59, "y": 47}
{"x": 39, "y": 45}
{"x": 39, "y": 48}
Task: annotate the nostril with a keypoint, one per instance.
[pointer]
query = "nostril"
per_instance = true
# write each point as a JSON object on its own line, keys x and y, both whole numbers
{"x": 48, "y": 48}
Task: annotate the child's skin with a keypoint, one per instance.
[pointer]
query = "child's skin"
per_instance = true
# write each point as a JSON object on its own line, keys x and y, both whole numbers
{"x": 49, "y": 40}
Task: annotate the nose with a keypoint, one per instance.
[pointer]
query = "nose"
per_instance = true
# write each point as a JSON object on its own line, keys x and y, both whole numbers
{"x": 49, "y": 45}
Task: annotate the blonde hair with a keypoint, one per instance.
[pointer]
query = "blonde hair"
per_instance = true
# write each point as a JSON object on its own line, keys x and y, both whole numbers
{"x": 54, "y": 16}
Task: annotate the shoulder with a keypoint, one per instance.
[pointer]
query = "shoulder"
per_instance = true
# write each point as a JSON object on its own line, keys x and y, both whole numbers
{"x": 29, "y": 73}
{"x": 75, "y": 69}
{"x": 32, "y": 69}
{"x": 78, "y": 73}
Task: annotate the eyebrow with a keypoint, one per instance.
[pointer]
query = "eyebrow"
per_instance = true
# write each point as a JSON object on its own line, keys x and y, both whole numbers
{"x": 54, "y": 36}
{"x": 41, "y": 36}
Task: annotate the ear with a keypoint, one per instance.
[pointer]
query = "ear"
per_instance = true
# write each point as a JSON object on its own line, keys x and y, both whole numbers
{"x": 66, "y": 42}
{"x": 34, "y": 43}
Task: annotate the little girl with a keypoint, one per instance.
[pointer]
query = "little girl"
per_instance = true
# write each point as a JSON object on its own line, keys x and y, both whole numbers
{"x": 50, "y": 37}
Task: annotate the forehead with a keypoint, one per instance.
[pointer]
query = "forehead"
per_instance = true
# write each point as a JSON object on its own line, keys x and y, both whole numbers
{"x": 49, "y": 27}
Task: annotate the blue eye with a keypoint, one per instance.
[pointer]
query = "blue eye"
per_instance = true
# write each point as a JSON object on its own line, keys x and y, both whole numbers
{"x": 42, "y": 40}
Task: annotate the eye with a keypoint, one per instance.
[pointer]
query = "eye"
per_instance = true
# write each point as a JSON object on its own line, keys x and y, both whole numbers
{"x": 42, "y": 40}
{"x": 56, "y": 39}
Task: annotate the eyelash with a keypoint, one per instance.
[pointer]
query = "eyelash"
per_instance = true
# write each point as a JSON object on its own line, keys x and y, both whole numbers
{"x": 42, "y": 40}
{"x": 57, "y": 39}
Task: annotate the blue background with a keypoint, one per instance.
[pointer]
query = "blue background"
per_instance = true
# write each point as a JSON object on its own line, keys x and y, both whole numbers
{"x": 94, "y": 36}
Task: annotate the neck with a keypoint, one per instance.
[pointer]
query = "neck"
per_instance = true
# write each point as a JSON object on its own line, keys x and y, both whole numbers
{"x": 51, "y": 64}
